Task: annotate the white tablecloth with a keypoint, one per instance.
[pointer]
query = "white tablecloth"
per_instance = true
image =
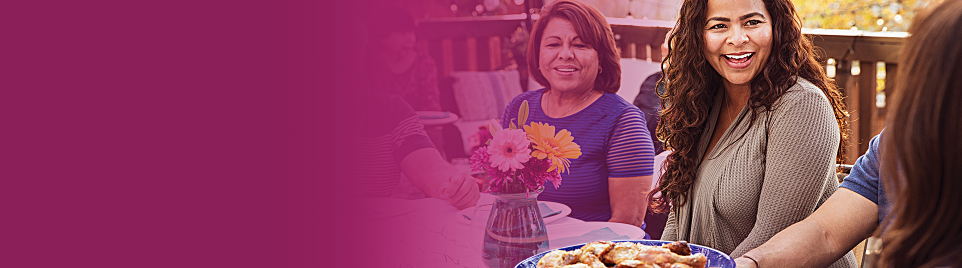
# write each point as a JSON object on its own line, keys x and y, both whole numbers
{"x": 425, "y": 233}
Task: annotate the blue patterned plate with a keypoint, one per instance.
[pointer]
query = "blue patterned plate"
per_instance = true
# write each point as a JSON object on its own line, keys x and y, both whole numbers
{"x": 715, "y": 258}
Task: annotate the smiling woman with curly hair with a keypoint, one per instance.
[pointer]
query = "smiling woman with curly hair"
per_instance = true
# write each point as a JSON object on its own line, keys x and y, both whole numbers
{"x": 754, "y": 124}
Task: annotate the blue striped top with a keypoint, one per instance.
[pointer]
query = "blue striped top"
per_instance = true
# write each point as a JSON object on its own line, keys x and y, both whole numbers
{"x": 614, "y": 142}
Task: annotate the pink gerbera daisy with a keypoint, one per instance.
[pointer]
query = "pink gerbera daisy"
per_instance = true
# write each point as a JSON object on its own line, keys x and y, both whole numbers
{"x": 509, "y": 149}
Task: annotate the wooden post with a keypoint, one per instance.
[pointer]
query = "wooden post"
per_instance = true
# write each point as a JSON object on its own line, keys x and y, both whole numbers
{"x": 656, "y": 46}
{"x": 484, "y": 54}
{"x": 447, "y": 56}
{"x": 843, "y": 79}
{"x": 494, "y": 45}
{"x": 471, "y": 51}
{"x": 625, "y": 48}
{"x": 867, "y": 91}
{"x": 891, "y": 73}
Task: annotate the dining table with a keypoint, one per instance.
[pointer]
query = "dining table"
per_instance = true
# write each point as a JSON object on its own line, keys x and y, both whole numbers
{"x": 429, "y": 232}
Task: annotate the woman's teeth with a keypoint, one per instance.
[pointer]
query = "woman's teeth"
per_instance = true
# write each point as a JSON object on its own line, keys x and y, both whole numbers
{"x": 742, "y": 56}
{"x": 566, "y": 70}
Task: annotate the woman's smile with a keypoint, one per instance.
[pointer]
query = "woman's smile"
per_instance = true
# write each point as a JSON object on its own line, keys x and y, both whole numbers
{"x": 739, "y": 60}
{"x": 566, "y": 70}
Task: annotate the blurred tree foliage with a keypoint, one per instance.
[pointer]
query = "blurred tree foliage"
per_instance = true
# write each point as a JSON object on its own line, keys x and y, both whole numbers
{"x": 864, "y": 15}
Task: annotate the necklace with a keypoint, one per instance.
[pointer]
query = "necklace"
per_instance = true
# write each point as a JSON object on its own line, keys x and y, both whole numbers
{"x": 729, "y": 112}
{"x": 576, "y": 105}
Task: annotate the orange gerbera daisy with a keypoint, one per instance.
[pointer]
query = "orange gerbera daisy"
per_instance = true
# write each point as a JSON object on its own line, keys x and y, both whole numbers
{"x": 558, "y": 147}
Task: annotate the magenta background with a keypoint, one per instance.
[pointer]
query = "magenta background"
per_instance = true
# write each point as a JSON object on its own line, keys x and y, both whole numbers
{"x": 174, "y": 134}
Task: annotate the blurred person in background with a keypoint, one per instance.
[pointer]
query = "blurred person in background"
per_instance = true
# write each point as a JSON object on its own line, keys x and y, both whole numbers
{"x": 921, "y": 160}
{"x": 394, "y": 64}
{"x": 394, "y": 142}
{"x": 391, "y": 141}
{"x": 648, "y": 100}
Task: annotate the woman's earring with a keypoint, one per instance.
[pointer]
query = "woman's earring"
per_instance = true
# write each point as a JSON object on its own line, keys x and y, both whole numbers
{"x": 599, "y": 70}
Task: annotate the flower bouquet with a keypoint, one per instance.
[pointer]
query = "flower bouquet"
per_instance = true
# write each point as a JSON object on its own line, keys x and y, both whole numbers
{"x": 516, "y": 164}
{"x": 522, "y": 160}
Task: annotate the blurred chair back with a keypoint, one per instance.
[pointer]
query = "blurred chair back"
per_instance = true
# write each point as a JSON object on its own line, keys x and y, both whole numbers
{"x": 484, "y": 95}
{"x": 479, "y": 97}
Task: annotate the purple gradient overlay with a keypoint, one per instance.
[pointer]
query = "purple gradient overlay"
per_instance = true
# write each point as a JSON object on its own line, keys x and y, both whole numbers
{"x": 176, "y": 134}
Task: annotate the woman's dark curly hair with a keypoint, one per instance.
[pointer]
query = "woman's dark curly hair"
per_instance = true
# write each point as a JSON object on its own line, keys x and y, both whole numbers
{"x": 692, "y": 83}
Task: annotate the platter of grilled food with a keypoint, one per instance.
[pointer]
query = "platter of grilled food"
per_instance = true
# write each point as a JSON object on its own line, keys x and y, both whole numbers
{"x": 631, "y": 254}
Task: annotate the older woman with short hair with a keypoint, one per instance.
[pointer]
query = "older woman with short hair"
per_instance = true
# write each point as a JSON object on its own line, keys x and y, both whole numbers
{"x": 572, "y": 53}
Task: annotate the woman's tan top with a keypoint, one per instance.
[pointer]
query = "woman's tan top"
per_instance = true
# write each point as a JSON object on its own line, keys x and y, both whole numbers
{"x": 761, "y": 177}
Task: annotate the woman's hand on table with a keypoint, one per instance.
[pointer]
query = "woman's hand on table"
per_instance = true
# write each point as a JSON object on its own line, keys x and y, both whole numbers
{"x": 439, "y": 179}
{"x": 461, "y": 191}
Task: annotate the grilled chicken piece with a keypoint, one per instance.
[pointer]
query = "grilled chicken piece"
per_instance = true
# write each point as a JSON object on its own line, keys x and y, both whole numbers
{"x": 621, "y": 252}
{"x": 654, "y": 256}
{"x": 591, "y": 260}
{"x": 663, "y": 257}
{"x": 635, "y": 264}
{"x": 698, "y": 260}
{"x": 679, "y": 247}
{"x": 553, "y": 259}
{"x": 559, "y": 258}
{"x": 598, "y": 248}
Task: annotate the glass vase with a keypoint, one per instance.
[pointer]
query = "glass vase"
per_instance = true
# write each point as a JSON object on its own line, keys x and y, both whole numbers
{"x": 515, "y": 230}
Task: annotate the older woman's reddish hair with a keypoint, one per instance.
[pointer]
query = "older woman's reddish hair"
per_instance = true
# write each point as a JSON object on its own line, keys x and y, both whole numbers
{"x": 594, "y": 31}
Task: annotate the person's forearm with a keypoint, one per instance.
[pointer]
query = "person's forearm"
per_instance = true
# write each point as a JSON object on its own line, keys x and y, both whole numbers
{"x": 427, "y": 170}
{"x": 804, "y": 244}
{"x": 629, "y": 199}
{"x": 825, "y": 236}
{"x": 634, "y": 216}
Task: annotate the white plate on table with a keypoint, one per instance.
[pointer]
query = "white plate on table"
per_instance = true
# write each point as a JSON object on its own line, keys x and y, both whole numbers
{"x": 565, "y": 210}
{"x": 581, "y": 228}
{"x": 436, "y": 118}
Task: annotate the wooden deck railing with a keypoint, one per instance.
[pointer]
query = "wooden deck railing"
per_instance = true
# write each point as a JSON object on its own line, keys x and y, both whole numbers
{"x": 853, "y": 57}
{"x": 470, "y": 44}
{"x": 640, "y": 39}
{"x": 476, "y": 44}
